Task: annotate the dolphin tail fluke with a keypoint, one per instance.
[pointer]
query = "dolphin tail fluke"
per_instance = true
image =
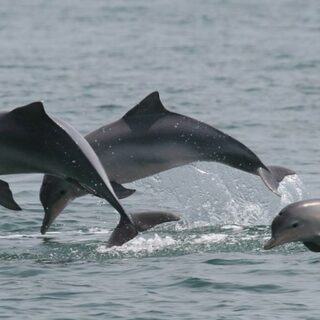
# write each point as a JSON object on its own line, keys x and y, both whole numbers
{"x": 147, "y": 220}
{"x": 142, "y": 221}
{"x": 124, "y": 232}
{"x": 273, "y": 176}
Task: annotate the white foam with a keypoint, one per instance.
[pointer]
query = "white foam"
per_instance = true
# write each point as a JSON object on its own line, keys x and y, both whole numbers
{"x": 232, "y": 227}
{"x": 13, "y": 236}
{"x": 96, "y": 230}
{"x": 201, "y": 171}
{"x": 28, "y": 236}
{"x": 141, "y": 244}
{"x": 210, "y": 238}
{"x": 191, "y": 225}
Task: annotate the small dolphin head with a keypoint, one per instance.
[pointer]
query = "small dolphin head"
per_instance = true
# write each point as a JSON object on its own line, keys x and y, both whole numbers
{"x": 55, "y": 194}
{"x": 298, "y": 221}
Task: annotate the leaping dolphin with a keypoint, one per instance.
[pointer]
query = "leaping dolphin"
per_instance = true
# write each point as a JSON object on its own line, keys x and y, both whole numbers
{"x": 149, "y": 139}
{"x": 299, "y": 221}
{"x": 33, "y": 142}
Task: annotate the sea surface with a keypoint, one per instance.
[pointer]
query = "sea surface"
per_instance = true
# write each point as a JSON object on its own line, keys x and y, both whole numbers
{"x": 249, "y": 68}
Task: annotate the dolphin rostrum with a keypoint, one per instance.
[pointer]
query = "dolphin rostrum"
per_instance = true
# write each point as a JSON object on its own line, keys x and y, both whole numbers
{"x": 33, "y": 142}
{"x": 149, "y": 139}
{"x": 299, "y": 221}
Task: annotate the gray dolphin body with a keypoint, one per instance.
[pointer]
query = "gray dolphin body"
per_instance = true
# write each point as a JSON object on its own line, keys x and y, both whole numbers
{"x": 150, "y": 139}
{"x": 299, "y": 221}
{"x": 33, "y": 142}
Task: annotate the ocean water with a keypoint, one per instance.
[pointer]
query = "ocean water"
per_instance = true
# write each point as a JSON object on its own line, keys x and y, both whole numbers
{"x": 249, "y": 68}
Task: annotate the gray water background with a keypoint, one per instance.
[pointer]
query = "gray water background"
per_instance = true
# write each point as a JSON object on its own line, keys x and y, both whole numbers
{"x": 249, "y": 68}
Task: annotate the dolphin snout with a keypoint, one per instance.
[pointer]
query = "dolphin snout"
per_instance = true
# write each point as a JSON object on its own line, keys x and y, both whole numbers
{"x": 44, "y": 229}
{"x": 280, "y": 239}
{"x": 271, "y": 243}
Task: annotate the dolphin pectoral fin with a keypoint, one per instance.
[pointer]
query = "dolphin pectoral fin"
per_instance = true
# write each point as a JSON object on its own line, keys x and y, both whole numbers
{"x": 312, "y": 246}
{"x": 142, "y": 221}
{"x": 6, "y": 197}
{"x": 83, "y": 187}
{"x": 121, "y": 191}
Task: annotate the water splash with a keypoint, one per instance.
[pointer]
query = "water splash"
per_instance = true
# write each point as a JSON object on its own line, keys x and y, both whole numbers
{"x": 216, "y": 194}
{"x": 292, "y": 189}
{"x": 141, "y": 244}
{"x": 210, "y": 238}
{"x": 221, "y": 208}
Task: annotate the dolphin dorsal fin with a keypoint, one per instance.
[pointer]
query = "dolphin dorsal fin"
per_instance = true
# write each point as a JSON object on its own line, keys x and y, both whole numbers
{"x": 312, "y": 246}
{"x": 151, "y": 104}
{"x": 30, "y": 112}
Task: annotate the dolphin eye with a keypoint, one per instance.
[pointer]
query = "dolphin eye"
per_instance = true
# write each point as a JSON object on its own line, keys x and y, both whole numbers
{"x": 295, "y": 225}
{"x": 63, "y": 192}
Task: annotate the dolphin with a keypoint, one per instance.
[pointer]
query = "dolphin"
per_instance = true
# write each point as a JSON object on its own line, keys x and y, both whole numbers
{"x": 150, "y": 139}
{"x": 299, "y": 221}
{"x": 33, "y": 142}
